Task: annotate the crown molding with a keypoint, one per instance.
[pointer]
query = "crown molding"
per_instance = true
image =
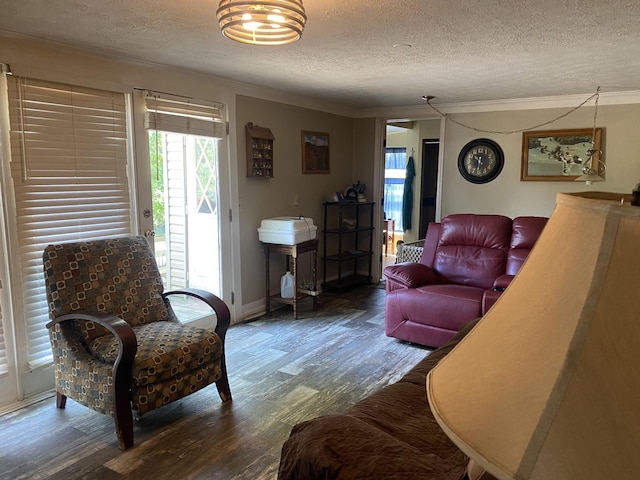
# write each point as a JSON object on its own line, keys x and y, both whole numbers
{"x": 424, "y": 112}
{"x": 24, "y": 65}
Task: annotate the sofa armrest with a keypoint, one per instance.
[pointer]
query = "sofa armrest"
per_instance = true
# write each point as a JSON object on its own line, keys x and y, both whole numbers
{"x": 489, "y": 297}
{"x": 501, "y": 283}
{"x": 410, "y": 274}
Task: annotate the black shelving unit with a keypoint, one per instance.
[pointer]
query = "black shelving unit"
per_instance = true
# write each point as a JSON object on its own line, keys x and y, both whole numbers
{"x": 348, "y": 244}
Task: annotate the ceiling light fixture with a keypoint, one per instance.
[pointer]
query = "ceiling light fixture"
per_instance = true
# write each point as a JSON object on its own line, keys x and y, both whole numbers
{"x": 275, "y": 22}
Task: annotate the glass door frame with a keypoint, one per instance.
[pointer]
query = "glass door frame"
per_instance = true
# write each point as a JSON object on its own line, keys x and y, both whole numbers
{"x": 144, "y": 198}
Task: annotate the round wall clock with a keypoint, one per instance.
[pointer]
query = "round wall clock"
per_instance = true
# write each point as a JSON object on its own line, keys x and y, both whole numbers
{"x": 480, "y": 160}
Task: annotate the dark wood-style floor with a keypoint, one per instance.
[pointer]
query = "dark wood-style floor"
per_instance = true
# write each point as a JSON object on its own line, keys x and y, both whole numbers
{"x": 282, "y": 371}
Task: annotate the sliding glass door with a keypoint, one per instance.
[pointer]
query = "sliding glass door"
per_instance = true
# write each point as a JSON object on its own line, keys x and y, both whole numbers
{"x": 179, "y": 191}
{"x": 185, "y": 209}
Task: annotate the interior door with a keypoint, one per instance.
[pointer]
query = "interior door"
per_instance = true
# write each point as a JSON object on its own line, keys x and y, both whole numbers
{"x": 429, "y": 184}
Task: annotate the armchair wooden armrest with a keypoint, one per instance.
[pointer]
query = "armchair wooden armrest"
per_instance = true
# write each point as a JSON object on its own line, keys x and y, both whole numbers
{"x": 121, "y": 369}
{"x": 223, "y": 320}
{"x": 218, "y": 306}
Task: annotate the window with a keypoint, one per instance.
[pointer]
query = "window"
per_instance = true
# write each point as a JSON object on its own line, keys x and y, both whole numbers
{"x": 69, "y": 181}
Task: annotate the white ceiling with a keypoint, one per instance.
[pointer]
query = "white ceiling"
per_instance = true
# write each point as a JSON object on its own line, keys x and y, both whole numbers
{"x": 371, "y": 53}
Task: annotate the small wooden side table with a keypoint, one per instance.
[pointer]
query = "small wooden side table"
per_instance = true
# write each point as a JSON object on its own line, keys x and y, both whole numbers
{"x": 292, "y": 251}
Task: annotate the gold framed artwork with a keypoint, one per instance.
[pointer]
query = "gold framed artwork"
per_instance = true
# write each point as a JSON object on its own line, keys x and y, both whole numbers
{"x": 558, "y": 155}
{"x": 315, "y": 152}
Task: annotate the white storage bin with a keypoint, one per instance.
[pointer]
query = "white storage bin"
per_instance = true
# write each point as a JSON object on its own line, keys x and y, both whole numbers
{"x": 287, "y": 230}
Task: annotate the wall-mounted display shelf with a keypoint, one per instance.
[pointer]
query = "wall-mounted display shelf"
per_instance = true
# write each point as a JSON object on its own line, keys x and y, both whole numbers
{"x": 259, "y": 151}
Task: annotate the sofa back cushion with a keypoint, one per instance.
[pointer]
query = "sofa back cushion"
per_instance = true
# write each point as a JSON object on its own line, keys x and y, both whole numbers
{"x": 524, "y": 234}
{"x": 472, "y": 249}
{"x": 430, "y": 245}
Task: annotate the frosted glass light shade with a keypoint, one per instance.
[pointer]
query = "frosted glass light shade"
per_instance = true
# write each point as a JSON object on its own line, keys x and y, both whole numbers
{"x": 547, "y": 385}
{"x": 271, "y": 22}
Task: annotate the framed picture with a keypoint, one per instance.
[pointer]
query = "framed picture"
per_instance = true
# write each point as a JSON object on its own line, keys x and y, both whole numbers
{"x": 558, "y": 155}
{"x": 315, "y": 152}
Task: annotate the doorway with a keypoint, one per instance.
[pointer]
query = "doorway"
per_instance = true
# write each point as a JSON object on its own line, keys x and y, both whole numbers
{"x": 393, "y": 173}
{"x": 428, "y": 184}
{"x": 185, "y": 199}
{"x": 420, "y": 140}
{"x": 180, "y": 196}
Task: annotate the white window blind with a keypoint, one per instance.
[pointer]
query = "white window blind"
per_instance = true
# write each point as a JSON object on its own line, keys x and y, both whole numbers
{"x": 4, "y": 367}
{"x": 169, "y": 113}
{"x": 69, "y": 175}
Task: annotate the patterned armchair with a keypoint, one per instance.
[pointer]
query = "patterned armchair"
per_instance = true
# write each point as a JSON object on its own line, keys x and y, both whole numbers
{"x": 117, "y": 345}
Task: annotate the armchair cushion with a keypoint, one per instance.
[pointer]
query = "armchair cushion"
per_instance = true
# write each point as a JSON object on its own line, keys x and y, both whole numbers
{"x": 472, "y": 249}
{"x": 410, "y": 274}
{"x": 165, "y": 349}
{"x": 525, "y": 232}
{"x": 130, "y": 283}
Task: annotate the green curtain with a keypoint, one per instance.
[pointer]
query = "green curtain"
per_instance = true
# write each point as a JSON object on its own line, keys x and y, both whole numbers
{"x": 407, "y": 197}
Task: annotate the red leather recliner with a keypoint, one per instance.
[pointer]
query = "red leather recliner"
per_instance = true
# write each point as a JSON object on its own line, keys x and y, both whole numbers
{"x": 467, "y": 261}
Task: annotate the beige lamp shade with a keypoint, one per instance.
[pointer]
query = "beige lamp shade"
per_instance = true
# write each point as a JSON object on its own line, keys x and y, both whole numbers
{"x": 547, "y": 385}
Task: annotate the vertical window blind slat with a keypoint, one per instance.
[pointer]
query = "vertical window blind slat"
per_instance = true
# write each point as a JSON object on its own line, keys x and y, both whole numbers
{"x": 69, "y": 171}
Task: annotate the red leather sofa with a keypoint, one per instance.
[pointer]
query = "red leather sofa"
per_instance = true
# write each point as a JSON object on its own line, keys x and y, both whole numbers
{"x": 467, "y": 261}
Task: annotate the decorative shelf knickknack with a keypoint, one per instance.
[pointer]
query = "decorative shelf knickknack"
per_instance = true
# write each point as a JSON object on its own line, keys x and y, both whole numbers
{"x": 259, "y": 151}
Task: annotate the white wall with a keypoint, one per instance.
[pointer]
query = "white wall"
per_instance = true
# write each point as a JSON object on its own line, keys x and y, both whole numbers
{"x": 397, "y": 139}
{"x": 508, "y": 195}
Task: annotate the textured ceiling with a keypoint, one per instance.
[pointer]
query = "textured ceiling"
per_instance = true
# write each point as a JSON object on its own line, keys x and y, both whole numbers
{"x": 371, "y": 53}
